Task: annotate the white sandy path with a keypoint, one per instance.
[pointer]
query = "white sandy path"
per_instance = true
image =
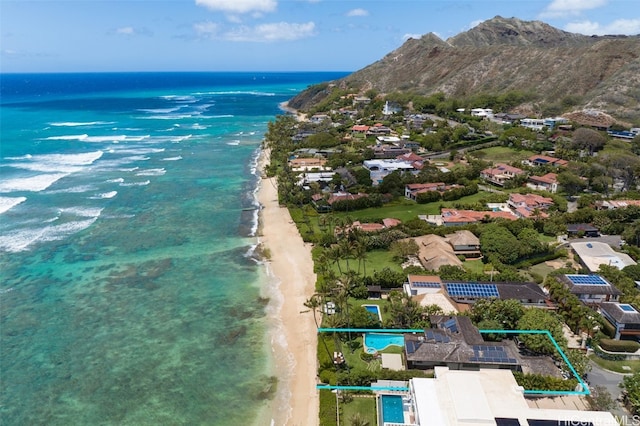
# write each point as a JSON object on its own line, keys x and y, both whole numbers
{"x": 291, "y": 262}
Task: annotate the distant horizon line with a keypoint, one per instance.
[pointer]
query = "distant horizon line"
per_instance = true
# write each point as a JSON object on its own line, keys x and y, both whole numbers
{"x": 172, "y": 72}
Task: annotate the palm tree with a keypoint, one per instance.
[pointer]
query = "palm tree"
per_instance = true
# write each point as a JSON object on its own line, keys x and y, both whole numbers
{"x": 347, "y": 284}
{"x": 357, "y": 420}
{"x": 313, "y": 303}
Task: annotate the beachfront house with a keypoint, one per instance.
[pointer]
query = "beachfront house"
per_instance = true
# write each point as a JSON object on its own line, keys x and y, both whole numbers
{"x": 484, "y": 397}
{"x": 454, "y": 342}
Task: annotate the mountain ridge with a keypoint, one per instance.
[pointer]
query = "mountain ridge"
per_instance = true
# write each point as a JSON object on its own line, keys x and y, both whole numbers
{"x": 508, "y": 54}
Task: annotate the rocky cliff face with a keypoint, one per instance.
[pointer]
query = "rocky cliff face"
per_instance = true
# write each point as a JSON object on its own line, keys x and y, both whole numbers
{"x": 507, "y": 54}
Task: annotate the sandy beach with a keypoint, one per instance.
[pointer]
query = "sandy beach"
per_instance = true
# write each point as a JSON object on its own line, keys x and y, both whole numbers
{"x": 290, "y": 262}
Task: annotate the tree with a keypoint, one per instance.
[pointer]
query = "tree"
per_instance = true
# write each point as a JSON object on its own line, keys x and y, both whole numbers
{"x": 497, "y": 241}
{"x": 579, "y": 361}
{"x": 313, "y": 303}
{"x": 588, "y": 139}
{"x": 405, "y": 312}
{"x": 505, "y": 312}
{"x": 571, "y": 183}
{"x": 631, "y": 387}
{"x": 403, "y": 249}
{"x": 540, "y": 319}
{"x": 357, "y": 420}
{"x": 600, "y": 399}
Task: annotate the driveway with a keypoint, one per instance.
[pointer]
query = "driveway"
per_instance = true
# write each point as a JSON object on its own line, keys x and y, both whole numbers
{"x": 611, "y": 381}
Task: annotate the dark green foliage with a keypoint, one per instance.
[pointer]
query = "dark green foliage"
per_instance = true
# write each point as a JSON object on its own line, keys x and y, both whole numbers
{"x": 540, "y": 319}
{"x": 386, "y": 278}
{"x": 540, "y": 382}
{"x": 631, "y": 386}
{"x": 361, "y": 318}
{"x": 373, "y": 200}
{"x": 611, "y": 345}
{"x": 428, "y": 197}
{"x": 504, "y": 314}
{"x": 328, "y": 408}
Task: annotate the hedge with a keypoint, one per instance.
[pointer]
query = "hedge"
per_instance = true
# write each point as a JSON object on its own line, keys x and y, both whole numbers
{"x": 619, "y": 345}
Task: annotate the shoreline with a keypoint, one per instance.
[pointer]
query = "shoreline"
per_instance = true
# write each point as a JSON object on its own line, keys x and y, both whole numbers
{"x": 293, "y": 333}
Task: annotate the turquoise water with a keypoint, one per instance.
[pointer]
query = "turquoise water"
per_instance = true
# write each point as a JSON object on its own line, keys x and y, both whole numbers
{"x": 392, "y": 411}
{"x": 378, "y": 341}
{"x": 128, "y": 290}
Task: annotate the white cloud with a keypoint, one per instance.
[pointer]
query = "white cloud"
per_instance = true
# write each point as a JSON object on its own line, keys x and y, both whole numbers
{"x": 206, "y": 29}
{"x": 475, "y": 23}
{"x": 125, "y": 31}
{"x": 619, "y": 26}
{"x": 570, "y": 7}
{"x": 408, "y": 36}
{"x": 358, "y": 12}
{"x": 131, "y": 31}
{"x": 239, "y": 6}
{"x": 280, "y": 31}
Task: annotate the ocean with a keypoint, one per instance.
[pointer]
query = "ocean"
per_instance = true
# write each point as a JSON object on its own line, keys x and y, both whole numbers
{"x": 128, "y": 290}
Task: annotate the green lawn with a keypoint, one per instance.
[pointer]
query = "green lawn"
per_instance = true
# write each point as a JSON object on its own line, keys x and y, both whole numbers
{"x": 616, "y": 365}
{"x": 475, "y": 266}
{"x": 364, "y": 405}
{"x": 501, "y": 154}
{"x": 376, "y": 261}
{"x": 405, "y": 210}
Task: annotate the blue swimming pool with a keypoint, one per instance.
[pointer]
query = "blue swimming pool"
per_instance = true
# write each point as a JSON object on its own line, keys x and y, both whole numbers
{"x": 392, "y": 411}
{"x": 374, "y": 342}
{"x": 374, "y": 309}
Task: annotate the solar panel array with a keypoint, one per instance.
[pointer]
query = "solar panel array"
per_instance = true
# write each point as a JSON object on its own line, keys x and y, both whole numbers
{"x": 425, "y": 284}
{"x": 627, "y": 308}
{"x": 472, "y": 290}
{"x": 437, "y": 337}
{"x": 451, "y": 325}
{"x": 586, "y": 279}
{"x": 496, "y": 354}
{"x": 412, "y": 346}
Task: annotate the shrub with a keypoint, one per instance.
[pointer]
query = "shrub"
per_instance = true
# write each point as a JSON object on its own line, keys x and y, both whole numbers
{"x": 619, "y": 345}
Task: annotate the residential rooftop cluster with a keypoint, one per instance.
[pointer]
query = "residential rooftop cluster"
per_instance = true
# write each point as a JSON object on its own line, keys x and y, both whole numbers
{"x": 449, "y": 222}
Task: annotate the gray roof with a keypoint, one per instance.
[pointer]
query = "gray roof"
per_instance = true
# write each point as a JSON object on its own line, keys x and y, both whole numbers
{"x": 590, "y": 289}
{"x": 614, "y": 310}
{"x": 441, "y": 345}
{"x": 521, "y": 291}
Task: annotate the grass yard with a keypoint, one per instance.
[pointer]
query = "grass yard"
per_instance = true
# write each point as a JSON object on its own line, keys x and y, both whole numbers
{"x": 405, "y": 210}
{"x": 475, "y": 266}
{"x": 376, "y": 261}
{"x": 364, "y": 405}
{"x": 616, "y": 365}
{"x": 501, "y": 154}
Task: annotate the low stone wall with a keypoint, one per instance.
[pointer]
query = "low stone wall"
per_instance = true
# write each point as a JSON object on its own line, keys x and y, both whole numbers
{"x": 617, "y": 356}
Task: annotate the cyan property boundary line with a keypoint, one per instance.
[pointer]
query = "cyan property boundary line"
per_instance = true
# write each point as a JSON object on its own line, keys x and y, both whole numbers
{"x": 583, "y": 385}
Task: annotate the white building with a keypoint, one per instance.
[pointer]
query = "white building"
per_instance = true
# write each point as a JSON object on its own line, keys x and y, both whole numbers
{"x": 471, "y": 398}
{"x": 593, "y": 254}
{"x": 482, "y": 112}
{"x": 533, "y": 123}
{"x": 379, "y": 169}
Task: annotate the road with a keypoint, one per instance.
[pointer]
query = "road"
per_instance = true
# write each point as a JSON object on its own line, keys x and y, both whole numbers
{"x": 611, "y": 381}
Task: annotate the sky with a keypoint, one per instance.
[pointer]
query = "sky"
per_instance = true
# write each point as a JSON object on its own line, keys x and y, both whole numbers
{"x": 261, "y": 35}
